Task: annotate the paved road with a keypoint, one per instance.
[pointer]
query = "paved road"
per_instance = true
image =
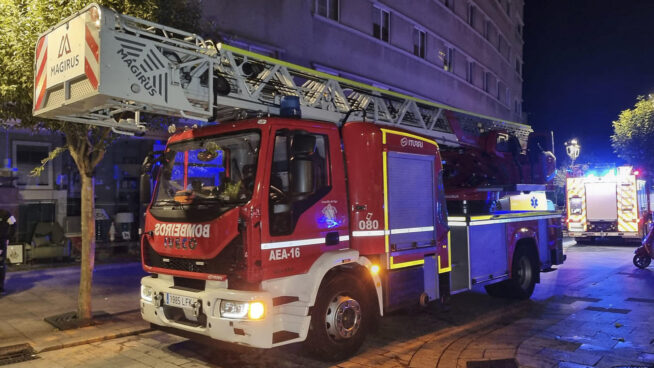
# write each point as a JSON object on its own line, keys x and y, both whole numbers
{"x": 594, "y": 311}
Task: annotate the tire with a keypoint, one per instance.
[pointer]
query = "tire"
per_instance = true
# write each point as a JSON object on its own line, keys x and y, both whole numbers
{"x": 523, "y": 275}
{"x": 340, "y": 319}
{"x": 642, "y": 260}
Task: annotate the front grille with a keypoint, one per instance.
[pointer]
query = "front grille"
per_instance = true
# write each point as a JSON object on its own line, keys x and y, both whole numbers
{"x": 195, "y": 284}
{"x": 226, "y": 262}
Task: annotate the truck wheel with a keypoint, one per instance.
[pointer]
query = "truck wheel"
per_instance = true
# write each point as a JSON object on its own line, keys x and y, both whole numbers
{"x": 523, "y": 275}
{"x": 339, "y": 319}
{"x": 642, "y": 260}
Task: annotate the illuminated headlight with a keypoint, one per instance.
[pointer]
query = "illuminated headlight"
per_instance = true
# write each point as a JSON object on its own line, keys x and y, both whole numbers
{"x": 147, "y": 293}
{"x": 241, "y": 310}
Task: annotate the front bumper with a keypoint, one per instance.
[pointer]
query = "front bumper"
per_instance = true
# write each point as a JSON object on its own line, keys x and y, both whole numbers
{"x": 603, "y": 234}
{"x": 208, "y": 322}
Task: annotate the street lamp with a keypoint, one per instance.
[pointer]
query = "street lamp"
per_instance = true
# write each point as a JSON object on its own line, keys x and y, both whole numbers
{"x": 572, "y": 148}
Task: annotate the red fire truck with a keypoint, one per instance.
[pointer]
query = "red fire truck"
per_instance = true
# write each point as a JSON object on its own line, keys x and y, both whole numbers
{"x": 317, "y": 205}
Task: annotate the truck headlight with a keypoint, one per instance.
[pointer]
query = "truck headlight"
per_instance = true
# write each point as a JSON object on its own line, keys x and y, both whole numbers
{"x": 147, "y": 293}
{"x": 241, "y": 310}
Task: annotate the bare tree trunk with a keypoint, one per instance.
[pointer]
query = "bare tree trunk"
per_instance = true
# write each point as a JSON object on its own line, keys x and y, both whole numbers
{"x": 87, "y": 147}
{"x": 84, "y": 311}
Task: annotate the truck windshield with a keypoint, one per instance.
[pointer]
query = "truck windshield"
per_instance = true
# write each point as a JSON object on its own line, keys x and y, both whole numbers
{"x": 213, "y": 170}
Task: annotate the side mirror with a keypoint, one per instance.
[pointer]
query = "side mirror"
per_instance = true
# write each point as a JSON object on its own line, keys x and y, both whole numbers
{"x": 145, "y": 193}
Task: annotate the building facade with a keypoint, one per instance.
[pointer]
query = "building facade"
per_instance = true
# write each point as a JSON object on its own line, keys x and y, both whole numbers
{"x": 463, "y": 53}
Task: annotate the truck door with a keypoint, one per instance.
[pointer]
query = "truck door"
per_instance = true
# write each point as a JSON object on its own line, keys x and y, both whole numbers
{"x": 306, "y": 204}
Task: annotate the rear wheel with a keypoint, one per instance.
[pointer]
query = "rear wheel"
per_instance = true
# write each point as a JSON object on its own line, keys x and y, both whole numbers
{"x": 339, "y": 320}
{"x": 642, "y": 260}
{"x": 523, "y": 275}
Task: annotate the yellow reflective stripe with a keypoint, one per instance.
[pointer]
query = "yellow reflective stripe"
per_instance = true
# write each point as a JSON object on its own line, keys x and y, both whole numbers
{"x": 407, "y": 264}
{"x": 407, "y": 135}
{"x": 449, "y": 256}
{"x": 488, "y": 217}
{"x": 302, "y": 69}
{"x": 385, "y": 169}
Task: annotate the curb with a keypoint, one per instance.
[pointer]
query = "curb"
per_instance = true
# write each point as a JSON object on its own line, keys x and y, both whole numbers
{"x": 94, "y": 339}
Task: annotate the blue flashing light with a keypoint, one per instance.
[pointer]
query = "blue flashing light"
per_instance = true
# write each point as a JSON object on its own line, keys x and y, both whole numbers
{"x": 329, "y": 223}
{"x": 290, "y": 107}
{"x": 116, "y": 172}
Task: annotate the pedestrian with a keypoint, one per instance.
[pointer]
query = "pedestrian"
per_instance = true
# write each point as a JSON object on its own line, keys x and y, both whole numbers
{"x": 7, "y": 229}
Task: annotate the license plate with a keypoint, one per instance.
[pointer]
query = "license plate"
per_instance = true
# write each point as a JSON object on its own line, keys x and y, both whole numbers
{"x": 179, "y": 301}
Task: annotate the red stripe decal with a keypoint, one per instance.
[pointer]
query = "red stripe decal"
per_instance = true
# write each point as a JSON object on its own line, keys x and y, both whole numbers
{"x": 41, "y": 67}
{"x": 92, "y": 44}
{"x": 41, "y": 94}
{"x": 38, "y": 47}
{"x": 90, "y": 74}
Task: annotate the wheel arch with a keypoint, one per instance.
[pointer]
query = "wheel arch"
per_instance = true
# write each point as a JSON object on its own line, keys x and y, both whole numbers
{"x": 359, "y": 270}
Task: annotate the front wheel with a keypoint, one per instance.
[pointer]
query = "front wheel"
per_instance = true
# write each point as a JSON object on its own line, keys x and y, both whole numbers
{"x": 642, "y": 260}
{"x": 339, "y": 319}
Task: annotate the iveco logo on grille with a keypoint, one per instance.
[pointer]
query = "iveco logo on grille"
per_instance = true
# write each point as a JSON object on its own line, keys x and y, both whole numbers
{"x": 180, "y": 243}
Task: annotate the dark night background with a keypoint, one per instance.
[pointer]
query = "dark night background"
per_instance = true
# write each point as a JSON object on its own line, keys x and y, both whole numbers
{"x": 584, "y": 62}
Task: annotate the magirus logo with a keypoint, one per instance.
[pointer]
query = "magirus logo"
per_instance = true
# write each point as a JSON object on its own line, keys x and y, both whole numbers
{"x": 411, "y": 143}
{"x": 66, "y": 63}
{"x": 64, "y": 45}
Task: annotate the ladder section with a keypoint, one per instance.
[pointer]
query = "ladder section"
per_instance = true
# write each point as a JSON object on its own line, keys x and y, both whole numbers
{"x": 133, "y": 65}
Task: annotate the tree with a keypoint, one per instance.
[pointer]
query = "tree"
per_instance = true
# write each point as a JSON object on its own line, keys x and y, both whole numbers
{"x": 21, "y": 22}
{"x": 633, "y": 137}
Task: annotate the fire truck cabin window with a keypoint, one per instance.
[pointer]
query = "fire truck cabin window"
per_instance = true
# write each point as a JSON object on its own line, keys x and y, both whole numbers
{"x": 298, "y": 178}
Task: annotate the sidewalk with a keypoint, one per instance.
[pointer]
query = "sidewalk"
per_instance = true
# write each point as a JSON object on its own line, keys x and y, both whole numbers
{"x": 33, "y": 295}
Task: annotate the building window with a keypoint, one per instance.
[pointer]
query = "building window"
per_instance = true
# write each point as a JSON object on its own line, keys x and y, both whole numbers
{"x": 328, "y": 8}
{"x": 518, "y": 66}
{"x": 259, "y": 49}
{"x": 419, "y": 42}
{"x": 448, "y": 59}
{"x": 507, "y": 93}
{"x": 471, "y": 15}
{"x": 470, "y": 74}
{"x": 486, "y": 82}
{"x": 381, "y": 23}
{"x": 515, "y": 106}
{"x": 518, "y": 29}
{"x": 27, "y": 156}
{"x": 449, "y": 3}
{"x": 507, "y": 8}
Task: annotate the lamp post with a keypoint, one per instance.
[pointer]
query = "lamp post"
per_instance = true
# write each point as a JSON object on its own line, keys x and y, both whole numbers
{"x": 572, "y": 148}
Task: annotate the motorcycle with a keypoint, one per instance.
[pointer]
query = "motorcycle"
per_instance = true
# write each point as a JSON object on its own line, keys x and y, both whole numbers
{"x": 643, "y": 254}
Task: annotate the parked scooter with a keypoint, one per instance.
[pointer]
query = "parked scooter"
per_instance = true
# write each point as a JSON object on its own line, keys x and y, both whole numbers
{"x": 643, "y": 254}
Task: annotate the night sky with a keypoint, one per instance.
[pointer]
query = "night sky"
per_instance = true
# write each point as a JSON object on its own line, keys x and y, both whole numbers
{"x": 584, "y": 62}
